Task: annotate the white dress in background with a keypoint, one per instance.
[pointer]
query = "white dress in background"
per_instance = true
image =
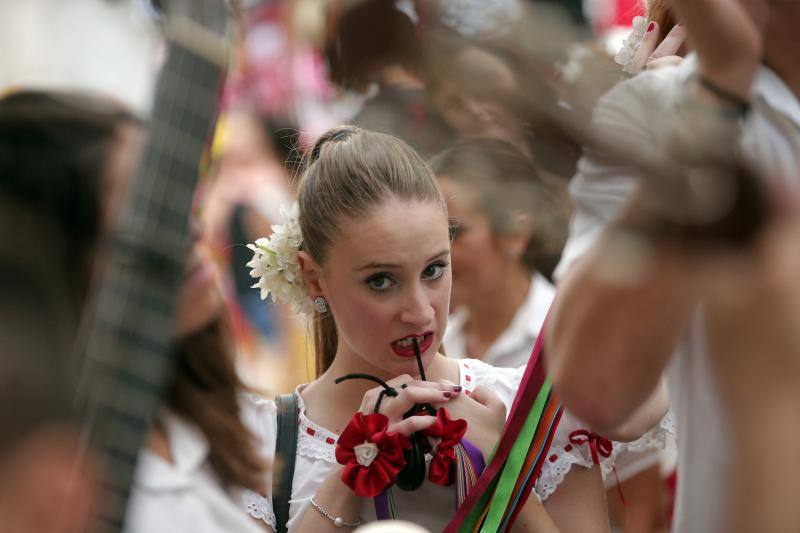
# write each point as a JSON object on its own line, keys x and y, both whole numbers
{"x": 514, "y": 346}
{"x": 184, "y": 496}
{"x": 513, "y": 349}
{"x": 635, "y": 111}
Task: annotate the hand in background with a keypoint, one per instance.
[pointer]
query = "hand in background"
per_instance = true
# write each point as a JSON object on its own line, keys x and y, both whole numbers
{"x": 652, "y": 55}
{"x": 728, "y": 36}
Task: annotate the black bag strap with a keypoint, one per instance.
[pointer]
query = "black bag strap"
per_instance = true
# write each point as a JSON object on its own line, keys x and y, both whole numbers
{"x": 285, "y": 451}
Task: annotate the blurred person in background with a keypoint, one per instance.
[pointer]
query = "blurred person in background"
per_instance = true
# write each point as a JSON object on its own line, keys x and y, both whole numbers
{"x": 488, "y": 89}
{"x": 721, "y": 320}
{"x": 504, "y": 218}
{"x": 254, "y": 161}
{"x": 199, "y": 456}
{"x": 373, "y": 47}
{"x": 66, "y": 162}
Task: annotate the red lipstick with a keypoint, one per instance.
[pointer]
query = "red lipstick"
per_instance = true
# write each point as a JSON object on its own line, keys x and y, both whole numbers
{"x": 405, "y": 347}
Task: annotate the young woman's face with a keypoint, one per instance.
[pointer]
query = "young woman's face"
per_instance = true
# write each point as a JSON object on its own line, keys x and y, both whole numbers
{"x": 387, "y": 281}
{"x": 478, "y": 258}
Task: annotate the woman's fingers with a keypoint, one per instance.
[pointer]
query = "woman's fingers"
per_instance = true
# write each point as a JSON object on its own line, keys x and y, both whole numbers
{"x": 413, "y": 424}
{"x": 671, "y": 43}
{"x": 412, "y": 395}
{"x": 650, "y": 56}
{"x": 407, "y": 397}
{"x": 646, "y": 48}
{"x": 662, "y": 62}
{"x": 487, "y": 397}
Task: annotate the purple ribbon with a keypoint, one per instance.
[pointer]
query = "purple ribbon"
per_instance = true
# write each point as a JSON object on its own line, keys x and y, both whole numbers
{"x": 475, "y": 456}
{"x": 381, "y": 501}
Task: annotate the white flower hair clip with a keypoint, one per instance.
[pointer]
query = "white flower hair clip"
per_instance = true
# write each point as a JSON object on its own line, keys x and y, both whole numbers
{"x": 631, "y": 45}
{"x": 276, "y": 266}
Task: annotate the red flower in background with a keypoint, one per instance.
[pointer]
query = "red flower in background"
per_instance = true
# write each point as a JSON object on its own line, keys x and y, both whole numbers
{"x": 372, "y": 456}
{"x": 444, "y": 435}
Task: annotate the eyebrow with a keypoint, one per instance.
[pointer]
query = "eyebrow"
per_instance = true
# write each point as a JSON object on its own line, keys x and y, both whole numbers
{"x": 389, "y": 266}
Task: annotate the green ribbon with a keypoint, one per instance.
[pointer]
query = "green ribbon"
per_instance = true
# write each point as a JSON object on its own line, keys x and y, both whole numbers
{"x": 512, "y": 469}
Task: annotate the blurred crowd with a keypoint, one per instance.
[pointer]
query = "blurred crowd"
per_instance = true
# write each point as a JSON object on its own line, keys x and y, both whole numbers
{"x": 620, "y": 176}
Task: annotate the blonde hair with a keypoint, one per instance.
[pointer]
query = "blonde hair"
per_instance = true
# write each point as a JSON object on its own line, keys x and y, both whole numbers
{"x": 349, "y": 172}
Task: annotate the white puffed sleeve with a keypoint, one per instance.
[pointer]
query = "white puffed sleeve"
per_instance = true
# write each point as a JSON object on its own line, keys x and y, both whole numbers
{"x": 603, "y": 184}
{"x": 502, "y": 381}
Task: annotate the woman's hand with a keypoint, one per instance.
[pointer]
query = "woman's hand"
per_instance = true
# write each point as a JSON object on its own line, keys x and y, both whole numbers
{"x": 650, "y": 57}
{"x": 410, "y": 392}
{"x": 485, "y": 414}
{"x": 728, "y": 36}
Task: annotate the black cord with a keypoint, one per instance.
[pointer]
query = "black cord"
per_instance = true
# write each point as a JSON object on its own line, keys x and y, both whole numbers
{"x": 426, "y": 406}
{"x": 387, "y": 390}
{"x": 419, "y": 360}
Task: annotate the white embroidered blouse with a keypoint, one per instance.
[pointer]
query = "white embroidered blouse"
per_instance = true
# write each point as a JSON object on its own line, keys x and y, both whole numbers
{"x": 184, "y": 495}
{"x": 431, "y": 506}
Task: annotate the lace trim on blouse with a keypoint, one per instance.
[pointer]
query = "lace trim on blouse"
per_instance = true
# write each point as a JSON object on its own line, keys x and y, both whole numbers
{"x": 561, "y": 458}
{"x": 260, "y": 508}
{"x": 313, "y": 440}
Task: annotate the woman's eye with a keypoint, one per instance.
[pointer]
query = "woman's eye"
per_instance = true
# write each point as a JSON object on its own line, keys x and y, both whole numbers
{"x": 380, "y": 282}
{"x": 434, "y": 270}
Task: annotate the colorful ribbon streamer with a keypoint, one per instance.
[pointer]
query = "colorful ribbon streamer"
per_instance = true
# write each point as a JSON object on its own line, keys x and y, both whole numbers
{"x": 502, "y": 490}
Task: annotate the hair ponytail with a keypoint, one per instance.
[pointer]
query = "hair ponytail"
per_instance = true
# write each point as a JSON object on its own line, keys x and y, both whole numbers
{"x": 326, "y": 341}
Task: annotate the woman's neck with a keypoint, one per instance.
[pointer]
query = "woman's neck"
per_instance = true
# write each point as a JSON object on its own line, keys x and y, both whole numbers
{"x": 491, "y": 314}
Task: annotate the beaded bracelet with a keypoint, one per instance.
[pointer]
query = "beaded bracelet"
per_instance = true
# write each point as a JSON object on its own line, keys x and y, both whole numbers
{"x": 338, "y": 521}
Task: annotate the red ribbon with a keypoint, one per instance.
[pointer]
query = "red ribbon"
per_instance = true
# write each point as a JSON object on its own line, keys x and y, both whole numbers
{"x": 449, "y": 433}
{"x": 598, "y": 445}
{"x": 369, "y": 481}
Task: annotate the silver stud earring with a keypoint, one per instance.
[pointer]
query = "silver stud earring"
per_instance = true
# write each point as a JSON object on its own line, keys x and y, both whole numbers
{"x": 320, "y": 305}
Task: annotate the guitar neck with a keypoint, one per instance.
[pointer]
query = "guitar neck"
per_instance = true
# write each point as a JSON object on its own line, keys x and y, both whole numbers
{"x": 128, "y": 355}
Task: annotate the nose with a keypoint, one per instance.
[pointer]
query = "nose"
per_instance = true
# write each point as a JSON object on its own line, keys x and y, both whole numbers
{"x": 418, "y": 308}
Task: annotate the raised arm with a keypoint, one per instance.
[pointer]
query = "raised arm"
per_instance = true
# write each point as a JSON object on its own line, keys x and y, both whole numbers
{"x": 612, "y": 332}
{"x": 610, "y": 338}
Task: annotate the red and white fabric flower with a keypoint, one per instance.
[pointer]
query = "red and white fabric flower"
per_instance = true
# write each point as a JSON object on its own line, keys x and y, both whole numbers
{"x": 443, "y": 436}
{"x": 372, "y": 456}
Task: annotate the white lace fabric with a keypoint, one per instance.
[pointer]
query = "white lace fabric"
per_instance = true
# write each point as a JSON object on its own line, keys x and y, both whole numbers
{"x": 260, "y": 508}
{"x": 314, "y": 441}
{"x": 563, "y": 454}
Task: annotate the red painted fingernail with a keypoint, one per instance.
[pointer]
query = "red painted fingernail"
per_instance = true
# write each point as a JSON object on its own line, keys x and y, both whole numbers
{"x": 457, "y": 388}
{"x": 447, "y": 394}
{"x": 651, "y": 27}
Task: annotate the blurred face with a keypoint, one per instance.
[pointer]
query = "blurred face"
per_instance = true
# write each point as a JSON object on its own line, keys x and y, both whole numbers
{"x": 464, "y": 100}
{"x": 199, "y": 299}
{"x": 478, "y": 258}
{"x": 249, "y": 160}
{"x": 387, "y": 282}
